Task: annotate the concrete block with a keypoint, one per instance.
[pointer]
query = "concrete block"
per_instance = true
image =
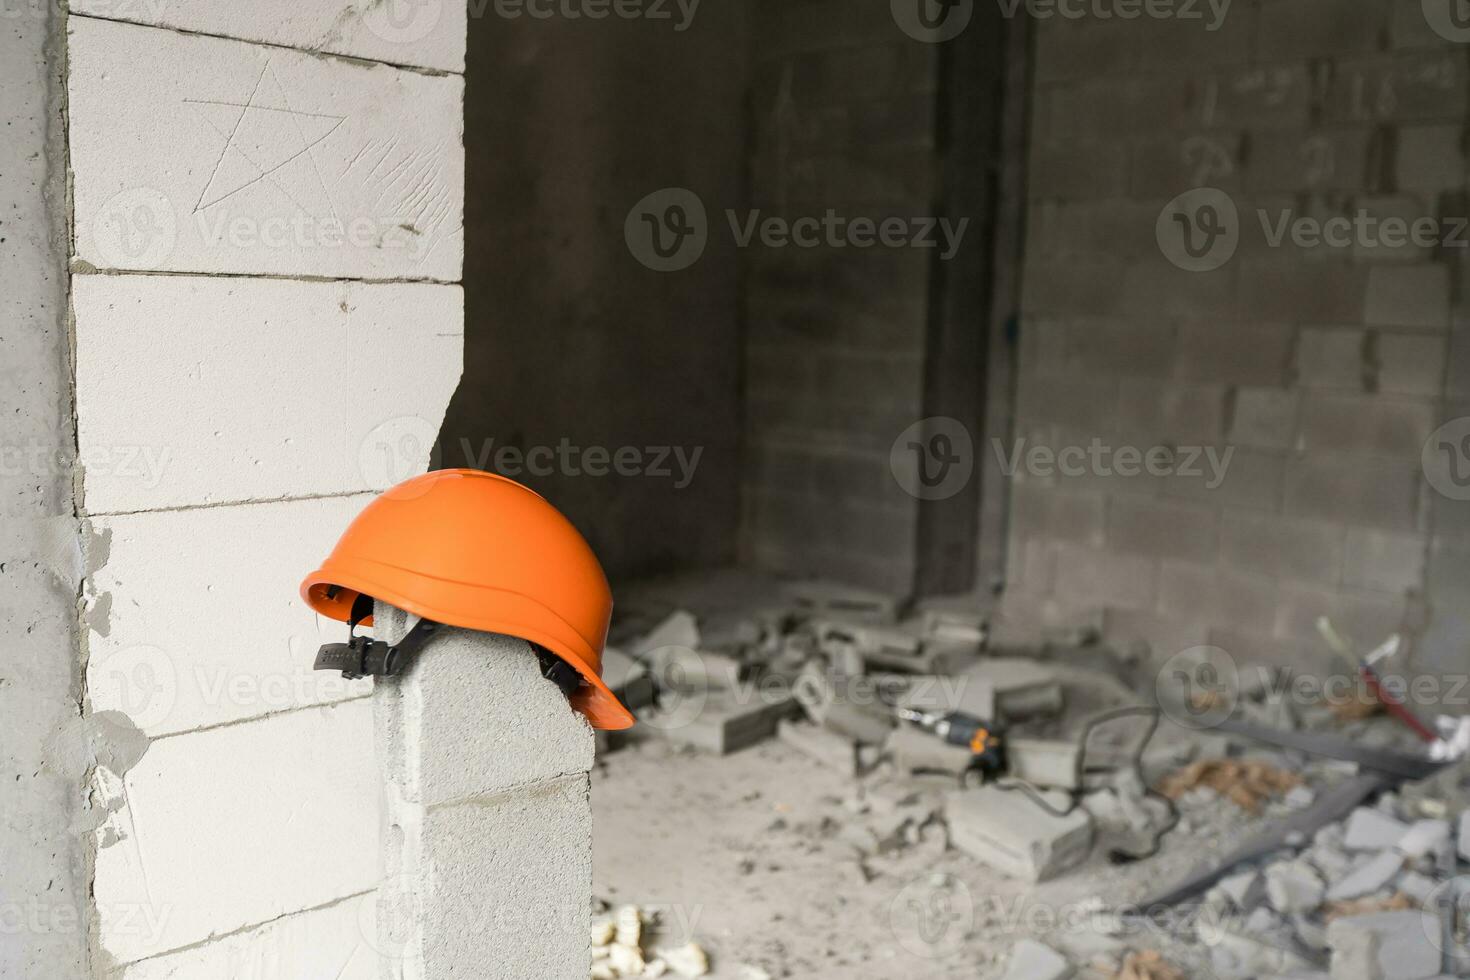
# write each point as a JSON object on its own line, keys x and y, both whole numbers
{"x": 1383, "y": 945}
{"x": 428, "y": 35}
{"x": 223, "y": 829}
{"x": 1021, "y": 688}
{"x": 1290, "y": 548}
{"x": 725, "y": 721}
{"x": 1162, "y": 528}
{"x": 1365, "y": 424}
{"x": 1312, "y": 28}
{"x": 1383, "y": 561}
{"x": 499, "y": 886}
{"x": 1193, "y": 414}
{"x": 825, "y": 747}
{"x": 487, "y": 823}
{"x": 868, "y": 724}
{"x": 1368, "y": 877}
{"x": 1372, "y": 830}
{"x": 337, "y": 941}
{"x": 1332, "y": 358}
{"x": 1044, "y": 761}
{"x": 1430, "y": 159}
{"x": 1408, "y": 296}
{"x": 916, "y": 751}
{"x": 307, "y": 388}
{"x": 1276, "y": 288}
{"x": 1424, "y": 837}
{"x": 1293, "y": 887}
{"x": 175, "y": 649}
{"x": 824, "y": 599}
{"x": 1386, "y": 495}
{"x": 1009, "y": 832}
{"x": 1411, "y": 364}
{"x": 1462, "y": 836}
{"x": 250, "y": 159}
{"x": 479, "y": 700}
{"x": 1031, "y": 960}
{"x": 1264, "y": 417}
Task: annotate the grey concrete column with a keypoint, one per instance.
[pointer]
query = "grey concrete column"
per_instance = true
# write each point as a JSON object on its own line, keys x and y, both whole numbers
{"x": 487, "y": 819}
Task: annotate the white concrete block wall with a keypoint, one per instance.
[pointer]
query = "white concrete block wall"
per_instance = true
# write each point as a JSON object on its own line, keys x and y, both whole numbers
{"x": 297, "y": 349}
{"x": 424, "y": 33}
{"x": 330, "y": 943}
{"x": 233, "y": 640}
{"x": 201, "y": 154}
{"x": 257, "y": 389}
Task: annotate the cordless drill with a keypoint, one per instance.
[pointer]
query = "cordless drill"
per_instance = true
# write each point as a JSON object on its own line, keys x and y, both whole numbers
{"x": 984, "y": 739}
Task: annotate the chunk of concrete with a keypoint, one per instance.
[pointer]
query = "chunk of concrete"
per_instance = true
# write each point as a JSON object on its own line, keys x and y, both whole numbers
{"x": 826, "y": 747}
{"x": 1382, "y": 946}
{"x": 726, "y": 721}
{"x": 1371, "y": 830}
{"x": 1367, "y": 877}
{"x": 1053, "y": 763}
{"x": 820, "y": 598}
{"x": 1012, "y": 833}
{"x": 1031, "y": 960}
{"x": 917, "y": 751}
{"x": 1293, "y": 887}
{"x": 1424, "y": 837}
{"x": 1022, "y": 687}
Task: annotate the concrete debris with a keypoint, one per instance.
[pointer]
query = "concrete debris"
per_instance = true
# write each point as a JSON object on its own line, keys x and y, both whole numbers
{"x": 1031, "y": 960}
{"x": 1368, "y": 877}
{"x": 1247, "y": 784}
{"x": 1372, "y": 830}
{"x": 617, "y": 949}
{"x": 820, "y": 599}
{"x": 1382, "y": 946}
{"x": 1350, "y": 857}
{"x": 1017, "y": 835}
{"x": 826, "y": 747}
{"x": 1293, "y": 887}
{"x": 1148, "y": 964}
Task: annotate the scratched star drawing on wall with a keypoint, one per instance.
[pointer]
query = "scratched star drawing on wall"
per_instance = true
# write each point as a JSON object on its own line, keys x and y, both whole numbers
{"x": 267, "y": 140}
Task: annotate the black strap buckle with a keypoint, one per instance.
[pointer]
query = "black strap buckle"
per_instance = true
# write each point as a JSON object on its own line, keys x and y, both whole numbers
{"x": 363, "y": 656}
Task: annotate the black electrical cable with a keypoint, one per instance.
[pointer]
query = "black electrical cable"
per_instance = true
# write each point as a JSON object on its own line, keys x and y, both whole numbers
{"x": 1133, "y": 764}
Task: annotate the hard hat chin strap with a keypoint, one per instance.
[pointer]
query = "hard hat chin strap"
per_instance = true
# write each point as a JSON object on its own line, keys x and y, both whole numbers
{"x": 363, "y": 656}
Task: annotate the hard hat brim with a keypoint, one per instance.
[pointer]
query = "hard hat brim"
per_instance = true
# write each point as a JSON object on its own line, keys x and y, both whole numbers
{"x": 594, "y": 699}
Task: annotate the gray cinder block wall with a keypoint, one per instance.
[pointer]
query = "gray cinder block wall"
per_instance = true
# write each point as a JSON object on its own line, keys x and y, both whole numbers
{"x": 843, "y": 117}
{"x": 1324, "y": 369}
{"x": 44, "y": 921}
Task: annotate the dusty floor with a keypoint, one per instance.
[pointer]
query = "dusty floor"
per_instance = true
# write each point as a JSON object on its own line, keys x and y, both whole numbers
{"x": 745, "y": 854}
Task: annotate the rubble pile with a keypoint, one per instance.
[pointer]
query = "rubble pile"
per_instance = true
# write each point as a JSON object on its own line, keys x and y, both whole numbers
{"x": 1037, "y": 762}
{"x": 618, "y": 949}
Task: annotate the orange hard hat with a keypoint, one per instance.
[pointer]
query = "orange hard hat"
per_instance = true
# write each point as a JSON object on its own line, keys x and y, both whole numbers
{"x": 475, "y": 550}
